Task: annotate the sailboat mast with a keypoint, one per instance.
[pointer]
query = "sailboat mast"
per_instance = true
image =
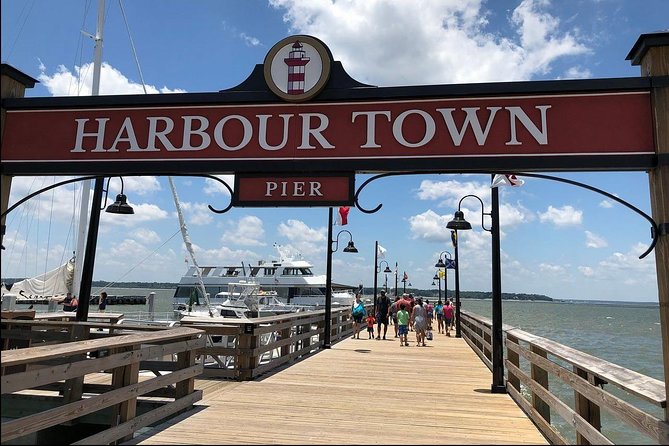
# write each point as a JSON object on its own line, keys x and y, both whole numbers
{"x": 86, "y": 187}
{"x": 189, "y": 245}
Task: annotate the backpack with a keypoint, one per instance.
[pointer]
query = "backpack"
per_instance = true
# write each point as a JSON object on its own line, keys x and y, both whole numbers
{"x": 358, "y": 310}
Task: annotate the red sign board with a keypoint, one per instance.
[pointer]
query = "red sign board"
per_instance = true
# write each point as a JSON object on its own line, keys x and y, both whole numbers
{"x": 294, "y": 190}
{"x": 540, "y": 125}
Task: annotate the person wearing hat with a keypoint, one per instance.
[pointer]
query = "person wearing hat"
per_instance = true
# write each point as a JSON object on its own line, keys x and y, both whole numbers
{"x": 382, "y": 314}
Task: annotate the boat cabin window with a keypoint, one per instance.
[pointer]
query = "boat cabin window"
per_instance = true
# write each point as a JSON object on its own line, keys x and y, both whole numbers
{"x": 231, "y": 272}
{"x": 296, "y": 272}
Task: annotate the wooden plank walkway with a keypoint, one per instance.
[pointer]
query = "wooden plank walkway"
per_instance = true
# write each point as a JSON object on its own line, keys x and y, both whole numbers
{"x": 360, "y": 391}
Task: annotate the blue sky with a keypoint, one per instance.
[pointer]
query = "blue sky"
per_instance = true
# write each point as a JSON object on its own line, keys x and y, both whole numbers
{"x": 557, "y": 240}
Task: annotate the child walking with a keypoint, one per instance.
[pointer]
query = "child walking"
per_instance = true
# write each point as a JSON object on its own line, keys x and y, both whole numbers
{"x": 403, "y": 322}
{"x": 371, "y": 320}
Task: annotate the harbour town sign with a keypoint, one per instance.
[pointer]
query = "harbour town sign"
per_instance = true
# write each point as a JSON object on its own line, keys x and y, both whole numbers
{"x": 298, "y": 129}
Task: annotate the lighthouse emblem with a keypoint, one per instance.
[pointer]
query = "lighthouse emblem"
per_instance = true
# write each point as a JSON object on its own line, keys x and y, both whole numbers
{"x": 297, "y": 68}
{"x": 296, "y": 61}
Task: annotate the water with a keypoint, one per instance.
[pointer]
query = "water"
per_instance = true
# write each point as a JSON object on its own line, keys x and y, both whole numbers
{"x": 624, "y": 333}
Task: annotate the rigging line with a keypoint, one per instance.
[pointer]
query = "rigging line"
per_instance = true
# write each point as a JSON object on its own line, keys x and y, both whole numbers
{"x": 78, "y": 54}
{"x": 132, "y": 45}
{"x": 18, "y": 34}
{"x": 48, "y": 238}
{"x": 109, "y": 285}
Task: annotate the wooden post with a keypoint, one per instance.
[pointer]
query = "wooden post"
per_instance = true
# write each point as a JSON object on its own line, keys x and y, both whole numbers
{"x": 540, "y": 376}
{"x": 586, "y": 408}
{"x": 651, "y": 52}
{"x": 514, "y": 358}
{"x": 13, "y": 84}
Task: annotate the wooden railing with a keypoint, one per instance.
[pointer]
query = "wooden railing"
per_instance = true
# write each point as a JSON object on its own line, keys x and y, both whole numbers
{"x": 532, "y": 362}
{"x": 244, "y": 349}
{"x": 93, "y": 382}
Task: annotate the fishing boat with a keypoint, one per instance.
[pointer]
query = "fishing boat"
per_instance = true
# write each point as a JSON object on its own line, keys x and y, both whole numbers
{"x": 290, "y": 277}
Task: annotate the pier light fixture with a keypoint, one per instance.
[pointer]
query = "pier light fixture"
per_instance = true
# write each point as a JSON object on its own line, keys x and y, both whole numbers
{"x": 449, "y": 264}
{"x": 459, "y": 223}
{"x": 333, "y": 245}
{"x": 377, "y": 270}
{"x": 438, "y": 279}
{"x": 120, "y": 206}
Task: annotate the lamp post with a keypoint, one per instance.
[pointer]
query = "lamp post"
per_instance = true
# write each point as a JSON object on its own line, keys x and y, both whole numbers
{"x": 448, "y": 265}
{"x": 377, "y": 270}
{"x": 438, "y": 279}
{"x": 454, "y": 240}
{"x": 395, "y": 278}
{"x": 459, "y": 223}
{"x": 333, "y": 245}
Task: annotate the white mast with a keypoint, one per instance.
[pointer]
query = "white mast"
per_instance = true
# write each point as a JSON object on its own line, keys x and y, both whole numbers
{"x": 86, "y": 187}
{"x": 189, "y": 245}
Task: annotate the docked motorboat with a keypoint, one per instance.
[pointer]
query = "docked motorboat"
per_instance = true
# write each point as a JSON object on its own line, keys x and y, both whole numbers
{"x": 242, "y": 300}
{"x": 290, "y": 277}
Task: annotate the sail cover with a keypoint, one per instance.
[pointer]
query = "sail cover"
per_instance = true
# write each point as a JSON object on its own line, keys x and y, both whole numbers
{"x": 57, "y": 282}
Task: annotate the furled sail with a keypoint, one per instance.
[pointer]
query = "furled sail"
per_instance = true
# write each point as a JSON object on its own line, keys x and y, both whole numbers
{"x": 54, "y": 283}
{"x": 189, "y": 246}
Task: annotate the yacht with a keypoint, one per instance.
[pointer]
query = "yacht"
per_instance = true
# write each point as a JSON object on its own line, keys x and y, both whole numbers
{"x": 291, "y": 277}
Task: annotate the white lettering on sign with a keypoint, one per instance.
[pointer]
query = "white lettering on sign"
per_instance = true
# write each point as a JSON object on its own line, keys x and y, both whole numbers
{"x": 293, "y": 189}
{"x": 236, "y": 132}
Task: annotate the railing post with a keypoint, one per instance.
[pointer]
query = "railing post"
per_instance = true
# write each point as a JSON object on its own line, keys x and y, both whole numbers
{"x": 122, "y": 377}
{"x": 514, "y": 358}
{"x": 247, "y": 361}
{"x": 540, "y": 376}
{"x": 586, "y": 408}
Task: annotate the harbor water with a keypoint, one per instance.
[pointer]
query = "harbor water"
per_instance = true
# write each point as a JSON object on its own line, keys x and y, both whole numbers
{"x": 624, "y": 333}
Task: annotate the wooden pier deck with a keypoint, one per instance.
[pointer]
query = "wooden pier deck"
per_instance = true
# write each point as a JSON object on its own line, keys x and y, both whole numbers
{"x": 361, "y": 391}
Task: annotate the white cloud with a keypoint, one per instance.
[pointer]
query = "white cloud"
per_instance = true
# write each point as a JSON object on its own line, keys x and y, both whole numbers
{"x": 606, "y": 204}
{"x": 452, "y": 34}
{"x": 564, "y": 216}
{"x": 586, "y": 271}
{"x": 430, "y": 226}
{"x": 594, "y": 240}
{"x": 550, "y": 268}
{"x": 147, "y": 236}
{"x": 80, "y": 83}
{"x": 248, "y": 231}
{"x": 304, "y": 239}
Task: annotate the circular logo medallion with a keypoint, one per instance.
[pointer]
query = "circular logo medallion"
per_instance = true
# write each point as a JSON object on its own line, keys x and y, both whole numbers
{"x": 297, "y": 68}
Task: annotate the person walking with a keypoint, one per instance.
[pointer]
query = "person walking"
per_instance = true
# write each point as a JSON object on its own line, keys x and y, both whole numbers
{"x": 358, "y": 311}
{"x": 439, "y": 311}
{"x": 382, "y": 314}
{"x": 403, "y": 317}
{"x": 371, "y": 320}
{"x": 448, "y": 317}
{"x": 430, "y": 313}
{"x": 394, "y": 308}
{"x": 419, "y": 319}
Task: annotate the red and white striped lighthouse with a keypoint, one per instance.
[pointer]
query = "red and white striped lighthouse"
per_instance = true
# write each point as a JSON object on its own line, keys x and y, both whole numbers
{"x": 296, "y": 62}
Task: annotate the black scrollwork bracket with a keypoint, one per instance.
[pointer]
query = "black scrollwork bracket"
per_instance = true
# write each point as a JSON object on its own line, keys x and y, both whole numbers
{"x": 656, "y": 231}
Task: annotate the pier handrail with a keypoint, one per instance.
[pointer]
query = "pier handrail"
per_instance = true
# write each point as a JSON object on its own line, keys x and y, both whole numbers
{"x": 532, "y": 362}
{"x": 104, "y": 385}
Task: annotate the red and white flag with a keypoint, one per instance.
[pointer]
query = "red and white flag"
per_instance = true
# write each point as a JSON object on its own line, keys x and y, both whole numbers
{"x": 406, "y": 276}
{"x": 342, "y": 216}
{"x": 506, "y": 180}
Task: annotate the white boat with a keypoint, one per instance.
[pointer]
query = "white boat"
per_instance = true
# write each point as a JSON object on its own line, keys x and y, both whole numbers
{"x": 243, "y": 300}
{"x": 291, "y": 277}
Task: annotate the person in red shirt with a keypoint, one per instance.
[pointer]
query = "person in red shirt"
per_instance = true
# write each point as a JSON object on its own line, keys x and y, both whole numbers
{"x": 371, "y": 320}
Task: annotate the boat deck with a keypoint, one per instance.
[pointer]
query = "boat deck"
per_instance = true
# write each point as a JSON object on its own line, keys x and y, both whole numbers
{"x": 361, "y": 391}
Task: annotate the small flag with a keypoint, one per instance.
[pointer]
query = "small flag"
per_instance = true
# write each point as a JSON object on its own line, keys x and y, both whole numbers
{"x": 506, "y": 180}
{"x": 342, "y": 216}
{"x": 454, "y": 238}
{"x": 405, "y": 277}
{"x": 450, "y": 264}
{"x": 381, "y": 254}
